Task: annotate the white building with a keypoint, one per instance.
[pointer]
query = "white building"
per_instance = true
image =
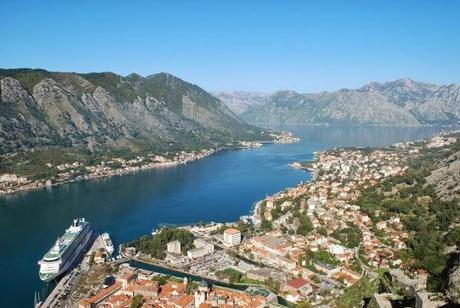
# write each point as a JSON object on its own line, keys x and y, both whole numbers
{"x": 232, "y": 237}
{"x": 199, "y": 243}
{"x": 202, "y": 248}
{"x": 174, "y": 247}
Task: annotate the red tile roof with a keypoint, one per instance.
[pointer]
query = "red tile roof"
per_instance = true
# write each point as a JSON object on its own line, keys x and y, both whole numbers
{"x": 232, "y": 231}
{"x": 297, "y": 283}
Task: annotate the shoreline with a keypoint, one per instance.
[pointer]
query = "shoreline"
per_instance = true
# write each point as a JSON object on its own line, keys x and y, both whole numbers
{"x": 127, "y": 170}
{"x": 115, "y": 172}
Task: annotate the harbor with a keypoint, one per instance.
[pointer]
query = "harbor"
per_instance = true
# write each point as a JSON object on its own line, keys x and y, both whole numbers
{"x": 96, "y": 250}
{"x": 132, "y": 205}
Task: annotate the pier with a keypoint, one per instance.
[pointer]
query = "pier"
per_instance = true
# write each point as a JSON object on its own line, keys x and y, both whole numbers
{"x": 59, "y": 294}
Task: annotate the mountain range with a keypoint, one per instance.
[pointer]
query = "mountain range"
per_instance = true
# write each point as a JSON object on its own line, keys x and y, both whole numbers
{"x": 400, "y": 102}
{"x": 160, "y": 112}
{"x": 96, "y": 111}
{"x": 240, "y": 101}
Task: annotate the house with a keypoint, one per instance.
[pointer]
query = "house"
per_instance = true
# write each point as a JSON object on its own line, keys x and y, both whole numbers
{"x": 346, "y": 276}
{"x": 325, "y": 268}
{"x": 126, "y": 278}
{"x": 100, "y": 297}
{"x": 174, "y": 247}
{"x": 146, "y": 288}
{"x": 259, "y": 275}
{"x": 270, "y": 243}
{"x": 202, "y": 248}
{"x": 299, "y": 285}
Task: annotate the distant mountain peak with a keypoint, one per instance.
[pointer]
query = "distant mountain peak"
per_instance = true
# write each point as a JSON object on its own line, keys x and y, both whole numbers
{"x": 405, "y": 81}
{"x": 288, "y": 93}
{"x": 399, "y": 102}
{"x": 134, "y": 76}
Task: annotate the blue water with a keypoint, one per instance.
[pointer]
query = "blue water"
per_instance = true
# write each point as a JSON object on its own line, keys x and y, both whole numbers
{"x": 219, "y": 188}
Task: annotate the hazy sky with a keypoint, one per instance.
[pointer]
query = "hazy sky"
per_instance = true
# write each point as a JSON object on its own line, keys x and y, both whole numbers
{"x": 247, "y": 45}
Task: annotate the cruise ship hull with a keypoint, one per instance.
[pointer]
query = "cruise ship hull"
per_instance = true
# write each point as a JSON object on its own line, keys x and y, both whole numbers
{"x": 48, "y": 276}
{"x": 108, "y": 245}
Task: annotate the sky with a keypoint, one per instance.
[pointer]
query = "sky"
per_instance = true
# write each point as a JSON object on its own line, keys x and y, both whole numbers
{"x": 307, "y": 46}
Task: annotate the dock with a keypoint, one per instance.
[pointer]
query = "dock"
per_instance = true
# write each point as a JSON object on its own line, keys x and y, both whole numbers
{"x": 59, "y": 296}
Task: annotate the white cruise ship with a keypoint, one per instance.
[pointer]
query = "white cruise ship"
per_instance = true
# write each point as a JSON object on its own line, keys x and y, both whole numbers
{"x": 66, "y": 250}
{"x": 108, "y": 245}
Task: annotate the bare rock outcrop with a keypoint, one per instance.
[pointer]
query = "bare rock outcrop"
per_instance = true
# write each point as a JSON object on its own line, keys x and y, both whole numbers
{"x": 446, "y": 178}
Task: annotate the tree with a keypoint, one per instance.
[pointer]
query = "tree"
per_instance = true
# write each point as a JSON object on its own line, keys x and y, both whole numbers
{"x": 305, "y": 226}
{"x": 303, "y": 305}
{"x": 453, "y": 237}
{"x": 350, "y": 237}
{"x": 273, "y": 284}
{"x": 354, "y": 296}
{"x": 161, "y": 279}
{"x": 156, "y": 245}
{"x": 137, "y": 302}
{"x": 266, "y": 225}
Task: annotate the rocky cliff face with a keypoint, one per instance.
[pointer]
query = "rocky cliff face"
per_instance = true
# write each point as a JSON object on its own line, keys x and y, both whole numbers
{"x": 453, "y": 285}
{"x": 400, "y": 102}
{"x": 240, "y": 101}
{"x": 446, "y": 178}
{"x": 98, "y": 110}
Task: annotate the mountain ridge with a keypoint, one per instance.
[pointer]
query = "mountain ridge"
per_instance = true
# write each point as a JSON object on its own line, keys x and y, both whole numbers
{"x": 399, "y": 102}
{"x": 159, "y": 112}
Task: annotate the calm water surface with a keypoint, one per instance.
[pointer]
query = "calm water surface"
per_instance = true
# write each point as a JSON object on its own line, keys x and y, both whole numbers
{"x": 219, "y": 188}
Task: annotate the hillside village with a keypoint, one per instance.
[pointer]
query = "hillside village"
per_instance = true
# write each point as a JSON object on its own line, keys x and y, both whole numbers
{"x": 65, "y": 172}
{"x": 312, "y": 243}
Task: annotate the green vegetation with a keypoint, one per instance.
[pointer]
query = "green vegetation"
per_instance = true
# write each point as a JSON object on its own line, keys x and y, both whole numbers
{"x": 322, "y": 256}
{"x": 191, "y": 287}
{"x": 305, "y": 226}
{"x": 349, "y": 237}
{"x": 138, "y": 301}
{"x": 353, "y": 296}
{"x": 453, "y": 236}
{"x": 35, "y": 137}
{"x": 241, "y": 225}
{"x": 303, "y": 305}
{"x": 233, "y": 275}
{"x": 266, "y": 225}
{"x": 33, "y": 164}
{"x": 156, "y": 246}
{"x": 246, "y": 280}
{"x": 161, "y": 279}
{"x": 91, "y": 258}
{"x": 272, "y": 284}
{"x": 424, "y": 215}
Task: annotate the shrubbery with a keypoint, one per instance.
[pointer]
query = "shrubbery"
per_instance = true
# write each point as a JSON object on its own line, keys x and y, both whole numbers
{"x": 156, "y": 246}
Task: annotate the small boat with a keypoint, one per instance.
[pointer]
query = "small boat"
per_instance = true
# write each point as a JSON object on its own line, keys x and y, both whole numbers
{"x": 108, "y": 245}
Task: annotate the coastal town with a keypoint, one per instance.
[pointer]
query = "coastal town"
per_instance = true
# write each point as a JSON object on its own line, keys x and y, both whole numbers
{"x": 77, "y": 170}
{"x": 68, "y": 172}
{"x": 307, "y": 245}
